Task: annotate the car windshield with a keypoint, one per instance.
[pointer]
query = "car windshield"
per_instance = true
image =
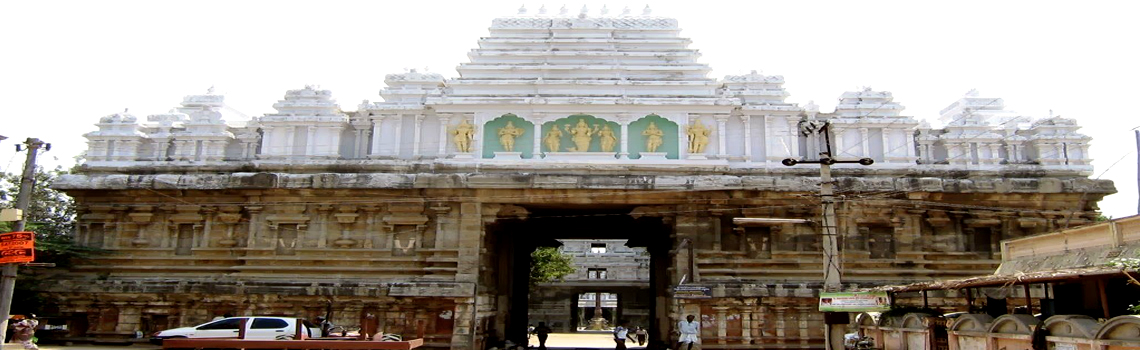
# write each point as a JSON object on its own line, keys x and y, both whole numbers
{"x": 229, "y": 323}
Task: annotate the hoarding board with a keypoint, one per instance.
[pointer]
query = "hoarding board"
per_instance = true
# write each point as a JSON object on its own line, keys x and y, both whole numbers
{"x": 854, "y": 302}
{"x": 17, "y": 247}
{"x": 692, "y": 292}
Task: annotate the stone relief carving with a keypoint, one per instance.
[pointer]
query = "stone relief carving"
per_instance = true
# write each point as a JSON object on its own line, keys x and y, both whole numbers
{"x": 607, "y": 138}
{"x": 581, "y": 134}
{"x": 552, "y": 139}
{"x": 653, "y": 138}
{"x": 462, "y": 135}
{"x": 698, "y": 137}
{"x": 507, "y": 135}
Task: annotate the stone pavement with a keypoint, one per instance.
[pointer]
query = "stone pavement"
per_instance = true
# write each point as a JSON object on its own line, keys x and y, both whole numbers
{"x": 556, "y": 341}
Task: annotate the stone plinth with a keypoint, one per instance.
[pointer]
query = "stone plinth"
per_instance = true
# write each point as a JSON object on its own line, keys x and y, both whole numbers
{"x": 578, "y": 156}
{"x": 652, "y": 156}
{"x": 508, "y": 155}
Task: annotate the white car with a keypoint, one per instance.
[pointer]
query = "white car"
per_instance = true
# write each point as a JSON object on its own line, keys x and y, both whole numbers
{"x": 257, "y": 327}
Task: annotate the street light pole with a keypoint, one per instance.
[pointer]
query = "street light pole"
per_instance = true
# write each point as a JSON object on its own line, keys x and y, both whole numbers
{"x": 27, "y": 183}
{"x": 833, "y": 330}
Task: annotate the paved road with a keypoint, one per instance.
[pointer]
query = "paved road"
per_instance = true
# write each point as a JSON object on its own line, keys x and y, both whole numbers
{"x": 556, "y": 340}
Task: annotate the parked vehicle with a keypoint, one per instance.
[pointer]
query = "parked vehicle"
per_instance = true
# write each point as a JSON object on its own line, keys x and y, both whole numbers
{"x": 257, "y": 327}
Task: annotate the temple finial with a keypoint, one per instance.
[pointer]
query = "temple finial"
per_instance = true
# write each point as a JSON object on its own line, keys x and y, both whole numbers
{"x": 210, "y": 91}
{"x": 522, "y": 9}
{"x": 605, "y": 10}
{"x": 625, "y": 11}
{"x": 563, "y": 10}
{"x": 582, "y": 13}
{"x": 646, "y": 11}
{"x": 542, "y": 10}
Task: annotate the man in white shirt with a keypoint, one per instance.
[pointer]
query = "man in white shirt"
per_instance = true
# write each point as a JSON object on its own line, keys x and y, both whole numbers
{"x": 689, "y": 330}
{"x": 620, "y": 333}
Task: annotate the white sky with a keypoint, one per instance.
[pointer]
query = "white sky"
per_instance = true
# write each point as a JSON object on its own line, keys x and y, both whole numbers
{"x": 64, "y": 64}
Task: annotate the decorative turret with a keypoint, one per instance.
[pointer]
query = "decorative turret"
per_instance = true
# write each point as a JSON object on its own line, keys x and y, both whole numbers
{"x": 117, "y": 139}
{"x": 408, "y": 90}
{"x": 204, "y": 137}
{"x": 307, "y": 124}
{"x": 970, "y": 137}
{"x": 1054, "y": 141}
{"x": 868, "y": 124}
{"x": 161, "y": 131}
{"x": 867, "y": 104}
{"x": 756, "y": 89}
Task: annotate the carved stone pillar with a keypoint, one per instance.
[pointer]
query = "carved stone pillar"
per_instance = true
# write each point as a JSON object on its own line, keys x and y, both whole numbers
{"x": 398, "y": 136}
{"x": 229, "y": 217}
{"x": 323, "y": 226}
{"x": 624, "y": 119}
{"x": 746, "y": 120}
{"x": 746, "y": 320}
{"x": 254, "y": 225}
{"x": 864, "y": 133}
{"x": 721, "y": 135}
{"x": 377, "y": 136}
{"x": 537, "y": 119}
{"x": 443, "y": 140}
{"x": 346, "y": 217}
{"x": 141, "y": 217}
{"x": 416, "y": 135}
{"x": 721, "y": 324}
{"x": 362, "y": 129}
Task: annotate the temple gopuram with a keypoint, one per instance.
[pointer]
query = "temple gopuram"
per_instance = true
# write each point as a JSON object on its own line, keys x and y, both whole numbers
{"x": 417, "y": 214}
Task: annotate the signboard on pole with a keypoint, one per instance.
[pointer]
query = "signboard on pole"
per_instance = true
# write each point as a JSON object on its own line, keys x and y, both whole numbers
{"x": 854, "y": 302}
{"x": 692, "y": 292}
{"x": 17, "y": 247}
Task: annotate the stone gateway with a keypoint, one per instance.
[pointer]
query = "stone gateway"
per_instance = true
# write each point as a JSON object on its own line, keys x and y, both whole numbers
{"x": 416, "y": 215}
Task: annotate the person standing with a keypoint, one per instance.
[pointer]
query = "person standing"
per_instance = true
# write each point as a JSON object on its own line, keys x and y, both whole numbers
{"x": 620, "y": 333}
{"x": 689, "y": 329}
{"x": 543, "y": 332}
{"x": 24, "y": 331}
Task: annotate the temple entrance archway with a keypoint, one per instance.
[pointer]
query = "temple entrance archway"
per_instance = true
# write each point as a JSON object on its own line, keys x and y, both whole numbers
{"x": 511, "y": 239}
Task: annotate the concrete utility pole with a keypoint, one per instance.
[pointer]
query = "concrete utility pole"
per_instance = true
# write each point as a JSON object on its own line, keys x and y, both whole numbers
{"x": 833, "y": 332}
{"x": 27, "y": 183}
{"x": 1136, "y": 130}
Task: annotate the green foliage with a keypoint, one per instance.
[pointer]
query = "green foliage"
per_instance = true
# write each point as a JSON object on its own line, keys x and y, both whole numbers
{"x": 549, "y": 264}
{"x": 51, "y": 215}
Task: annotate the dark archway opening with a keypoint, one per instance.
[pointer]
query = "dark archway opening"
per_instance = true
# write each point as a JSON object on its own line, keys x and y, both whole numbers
{"x": 513, "y": 240}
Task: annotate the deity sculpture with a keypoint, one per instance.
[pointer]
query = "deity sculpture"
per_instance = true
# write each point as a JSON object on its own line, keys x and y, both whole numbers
{"x": 581, "y": 134}
{"x": 698, "y": 137}
{"x": 552, "y": 139}
{"x": 507, "y": 135}
{"x": 462, "y": 135}
{"x": 652, "y": 137}
{"x": 606, "y": 138}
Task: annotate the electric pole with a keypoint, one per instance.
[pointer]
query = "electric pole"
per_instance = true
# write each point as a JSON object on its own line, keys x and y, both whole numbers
{"x": 833, "y": 331}
{"x": 27, "y": 183}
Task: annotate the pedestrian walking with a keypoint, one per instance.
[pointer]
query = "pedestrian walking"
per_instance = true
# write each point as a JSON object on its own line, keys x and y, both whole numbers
{"x": 642, "y": 336}
{"x": 620, "y": 333}
{"x": 543, "y": 332}
{"x": 689, "y": 330}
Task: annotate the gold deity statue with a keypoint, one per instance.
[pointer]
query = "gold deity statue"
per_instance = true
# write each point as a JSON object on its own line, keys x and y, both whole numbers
{"x": 698, "y": 137}
{"x": 552, "y": 139}
{"x": 606, "y": 138}
{"x": 462, "y": 135}
{"x": 652, "y": 137}
{"x": 581, "y": 134}
{"x": 507, "y": 135}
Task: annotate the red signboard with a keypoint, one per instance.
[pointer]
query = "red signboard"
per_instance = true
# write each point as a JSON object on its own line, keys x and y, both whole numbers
{"x": 17, "y": 247}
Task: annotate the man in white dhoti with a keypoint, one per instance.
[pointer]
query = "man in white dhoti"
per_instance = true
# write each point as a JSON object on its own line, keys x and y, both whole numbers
{"x": 689, "y": 330}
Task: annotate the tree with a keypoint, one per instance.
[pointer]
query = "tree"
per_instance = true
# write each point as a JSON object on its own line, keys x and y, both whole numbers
{"x": 549, "y": 264}
{"x": 51, "y": 215}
